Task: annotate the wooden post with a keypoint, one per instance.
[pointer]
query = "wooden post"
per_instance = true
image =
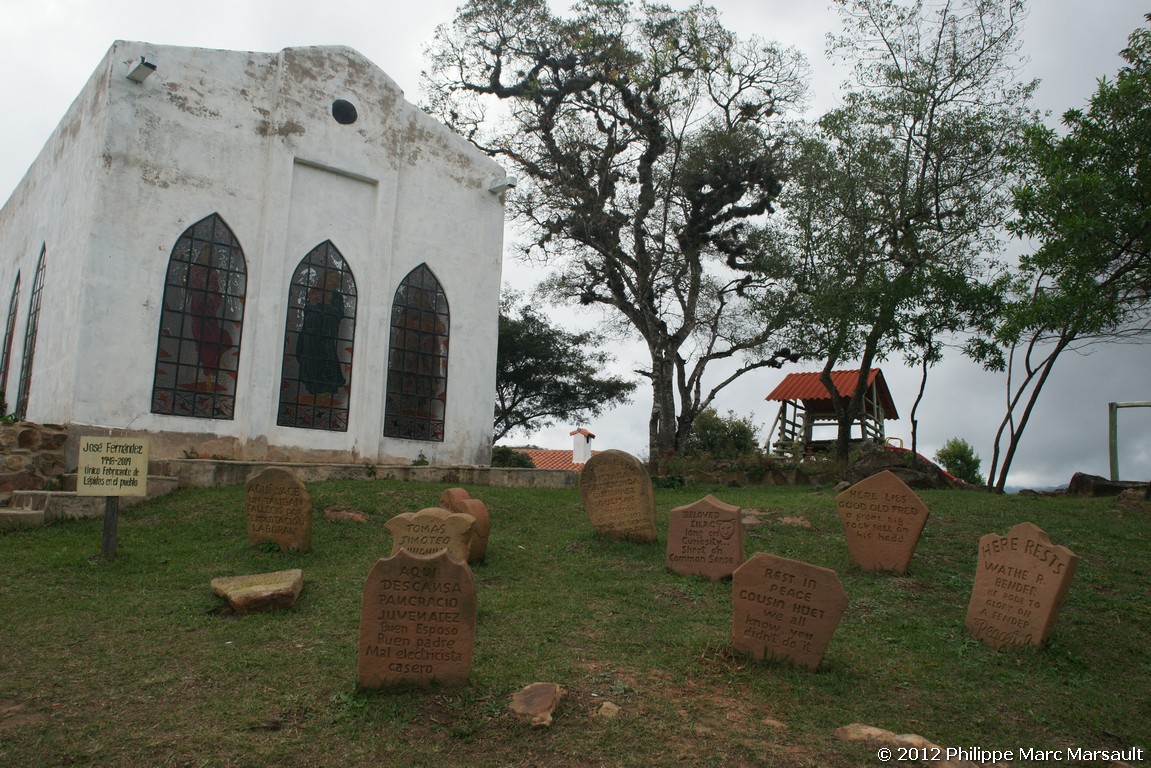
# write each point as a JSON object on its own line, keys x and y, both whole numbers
{"x": 111, "y": 518}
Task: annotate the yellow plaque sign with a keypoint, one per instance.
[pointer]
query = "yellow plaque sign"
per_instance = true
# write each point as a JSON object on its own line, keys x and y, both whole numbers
{"x": 112, "y": 466}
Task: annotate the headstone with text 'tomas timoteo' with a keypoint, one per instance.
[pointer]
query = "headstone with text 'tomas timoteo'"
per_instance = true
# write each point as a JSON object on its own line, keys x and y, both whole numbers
{"x": 430, "y": 530}
{"x": 1021, "y": 581}
{"x": 616, "y": 492}
{"x": 785, "y": 610}
{"x": 417, "y": 622}
{"x": 705, "y": 538}
{"x": 279, "y": 509}
{"x": 882, "y": 519}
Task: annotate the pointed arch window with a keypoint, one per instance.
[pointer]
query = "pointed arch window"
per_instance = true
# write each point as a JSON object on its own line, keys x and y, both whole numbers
{"x": 201, "y": 323}
{"x": 417, "y": 388}
{"x": 9, "y": 334}
{"x": 30, "y": 330}
{"x": 316, "y": 376}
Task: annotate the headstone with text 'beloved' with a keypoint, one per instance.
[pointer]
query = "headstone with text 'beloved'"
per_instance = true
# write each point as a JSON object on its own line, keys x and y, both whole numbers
{"x": 431, "y": 530}
{"x": 279, "y": 509}
{"x": 417, "y": 622}
{"x": 1021, "y": 581}
{"x": 882, "y": 519}
{"x": 460, "y": 501}
{"x": 705, "y": 538}
{"x": 785, "y": 610}
{"x": 616, "y": 492}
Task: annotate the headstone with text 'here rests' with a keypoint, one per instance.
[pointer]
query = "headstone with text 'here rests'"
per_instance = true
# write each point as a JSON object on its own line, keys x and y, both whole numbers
{"x": 430, "y": 530}
{"x": 279, "y": 509}
{"x": 705, "y": 538}
{"x": 882, "y": 519}
{"x": 417, "y": 622}
{"x": 1021, "y": 581}
{"x": 616, "y": 492}
{"x": 785, "y": 610}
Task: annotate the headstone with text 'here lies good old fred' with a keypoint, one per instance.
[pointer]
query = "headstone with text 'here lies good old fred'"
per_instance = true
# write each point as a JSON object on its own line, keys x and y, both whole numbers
{"x": 417, "y": 622}
{"x": 1021, "y": 581}
{"x": 460, "y": 501}
{"x": 882, "y": 519}
{"x": 616, "y": 492}
{"x": 430, "y": 530}
{"x": 279, "y": 509}
{"x": 785, "y": 610}
{"x": 705, "y": 538}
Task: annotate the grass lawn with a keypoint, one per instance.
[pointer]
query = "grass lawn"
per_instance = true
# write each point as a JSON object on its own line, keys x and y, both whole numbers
{"x": 133, "y": 663}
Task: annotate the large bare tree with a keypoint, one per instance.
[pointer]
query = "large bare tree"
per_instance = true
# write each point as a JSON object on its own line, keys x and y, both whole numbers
{"x": 646, "y": 139}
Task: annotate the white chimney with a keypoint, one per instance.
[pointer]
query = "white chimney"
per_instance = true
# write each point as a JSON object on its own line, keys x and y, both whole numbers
{"x": 581, "y": 445}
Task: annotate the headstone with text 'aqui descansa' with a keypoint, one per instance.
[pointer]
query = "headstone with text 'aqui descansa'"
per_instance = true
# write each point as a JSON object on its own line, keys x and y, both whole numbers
{"x": 431, "y": 530}
{"x": 279, "y": 509}
{"x": 417, "y": 622}
{"x": 705, "y": 538}
{"x": 616, "y": 492}
{"x": 1021, "y": 581}
{"x": 785, "y": 610}
{"x": 882, "y": 519}
{"x": 458, "y": 500}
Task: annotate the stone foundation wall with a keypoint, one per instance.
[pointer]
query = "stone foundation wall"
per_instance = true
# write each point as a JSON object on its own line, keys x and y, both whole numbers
{"x": 31, "y": 456}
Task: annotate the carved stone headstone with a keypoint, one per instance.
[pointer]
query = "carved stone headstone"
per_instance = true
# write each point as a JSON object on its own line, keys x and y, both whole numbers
{"x": 430, "y": 530}
{"x": 417, "y": 622}
{"x": 882, "y": 519}
{"x": 785, "y": 610}
{"x": 279, "y": 509}
{"x": 616, "y": 492}
{"x": 705, "y": 538}
{"x": 460, "y": 501}
{"x": 1021, "y": 581}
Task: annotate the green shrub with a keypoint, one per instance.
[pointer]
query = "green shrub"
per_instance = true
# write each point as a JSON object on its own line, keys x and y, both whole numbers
{"x": 958, "y": 457}
{"x": 502, "y": 456}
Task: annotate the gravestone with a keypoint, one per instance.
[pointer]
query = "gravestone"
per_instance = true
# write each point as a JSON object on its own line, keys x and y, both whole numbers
{"x": 430, "y": 530}
{"x": 460, "y": 501}
{"x": 882, "y": 519}
{"x": 1021, "y": 581}
{"x": 417, "y": 622}
{"x": 279, "y": 509}
{"x": 785, "y": 610}
{"x": 705, "y": 538}
{"x": 616, "y": 492}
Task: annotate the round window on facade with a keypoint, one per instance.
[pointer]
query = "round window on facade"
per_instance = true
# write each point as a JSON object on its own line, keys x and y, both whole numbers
{"x": 344, "y": 112}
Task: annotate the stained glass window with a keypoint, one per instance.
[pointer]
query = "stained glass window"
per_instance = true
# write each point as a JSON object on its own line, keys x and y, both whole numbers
{"x": 316, "y": 378}
{"x": 201, "y": 320}
{"x": 417, "y": 387}
{"x": 9, "y": 333}
{"x": 30, "y": 337}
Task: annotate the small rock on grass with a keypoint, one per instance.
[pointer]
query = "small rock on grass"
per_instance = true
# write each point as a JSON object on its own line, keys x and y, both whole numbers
{"x": 536, "y": 703}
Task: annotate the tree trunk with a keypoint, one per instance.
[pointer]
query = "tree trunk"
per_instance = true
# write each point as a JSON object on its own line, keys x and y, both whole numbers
{"x": 661, "y": 440}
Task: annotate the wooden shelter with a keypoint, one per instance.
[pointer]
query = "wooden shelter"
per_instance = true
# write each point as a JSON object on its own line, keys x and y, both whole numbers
{"x": 806, "y": 404}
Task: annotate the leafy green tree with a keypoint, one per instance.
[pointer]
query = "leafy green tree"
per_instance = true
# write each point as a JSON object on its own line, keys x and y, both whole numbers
{"x": 894, "y": 199}
{"x": 545, "y": 374}
{"x": 722, "y": 437}
{"x": 503, "y": 456}
{"x": 958, "y": 457}
{"x": 645, "y": 137}
{"x": 1086, "y": 199}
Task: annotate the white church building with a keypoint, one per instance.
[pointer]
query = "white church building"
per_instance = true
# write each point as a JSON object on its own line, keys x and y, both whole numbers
{"x": 264, "y": 256}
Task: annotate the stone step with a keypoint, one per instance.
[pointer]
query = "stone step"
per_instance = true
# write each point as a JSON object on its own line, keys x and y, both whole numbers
{"x": 20, "y": 518}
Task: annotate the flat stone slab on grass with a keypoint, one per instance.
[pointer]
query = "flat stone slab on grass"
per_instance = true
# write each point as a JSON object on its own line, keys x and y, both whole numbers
{"x": 705, "y": 538}
{"x": 1021, "y": 581}
{"x": 785, "y": 610}
{"x": 417, "y": 622}
{"x": 431, "y": 530}
{"x": 535, "y": 704}
{"x": 279, "y": 509}
{"x": 882, "y": 519}
{"x": 260, "y": 591}
{"x": 616, "y": 492}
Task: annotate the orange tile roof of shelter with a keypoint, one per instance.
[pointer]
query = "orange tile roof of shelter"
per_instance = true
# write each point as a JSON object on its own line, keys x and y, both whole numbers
{"x": 547, "y": 458}
{"x": 807, "y": 387}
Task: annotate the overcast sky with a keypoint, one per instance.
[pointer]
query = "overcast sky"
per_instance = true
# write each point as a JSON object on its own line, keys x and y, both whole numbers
{"x": 49, "y": 48}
